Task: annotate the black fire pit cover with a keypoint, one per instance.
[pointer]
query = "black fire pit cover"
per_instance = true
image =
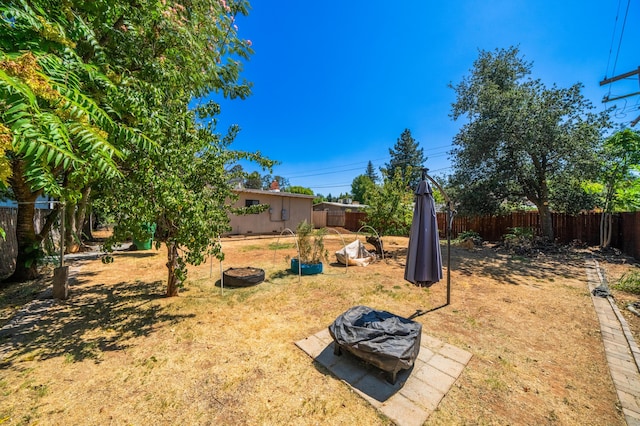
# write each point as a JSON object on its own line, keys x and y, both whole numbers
{"x": 387, "y": 341}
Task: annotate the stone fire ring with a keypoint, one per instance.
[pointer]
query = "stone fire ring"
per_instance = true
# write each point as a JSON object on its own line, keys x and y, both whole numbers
{"x": 242, "y": 277}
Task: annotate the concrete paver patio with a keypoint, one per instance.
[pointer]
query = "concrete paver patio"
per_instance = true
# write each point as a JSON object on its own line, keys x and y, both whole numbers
{"x": 417, "y": 391}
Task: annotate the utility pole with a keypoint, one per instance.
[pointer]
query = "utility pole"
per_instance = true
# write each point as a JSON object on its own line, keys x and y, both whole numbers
{"x": 618, "y": 78}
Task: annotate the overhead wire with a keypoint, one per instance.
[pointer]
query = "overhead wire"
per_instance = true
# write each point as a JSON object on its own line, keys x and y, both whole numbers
{"x": 613, "y": 37}
{"x": 624, "y": 23}
{"x": 362, "y": 164}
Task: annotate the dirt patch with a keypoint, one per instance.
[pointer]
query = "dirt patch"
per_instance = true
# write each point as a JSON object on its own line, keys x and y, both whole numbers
{"x": 117, "y": 352}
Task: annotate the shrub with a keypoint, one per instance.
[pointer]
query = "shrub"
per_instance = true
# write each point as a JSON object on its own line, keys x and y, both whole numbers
{"x": 629, "y": 282}
{"x": 466, "y": 235}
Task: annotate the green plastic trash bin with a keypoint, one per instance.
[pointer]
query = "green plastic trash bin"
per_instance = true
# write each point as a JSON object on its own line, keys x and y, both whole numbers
{"x": 150, "y": 230}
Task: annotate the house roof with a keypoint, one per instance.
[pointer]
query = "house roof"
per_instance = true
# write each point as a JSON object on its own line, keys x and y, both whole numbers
{"x": 274, "y": 193}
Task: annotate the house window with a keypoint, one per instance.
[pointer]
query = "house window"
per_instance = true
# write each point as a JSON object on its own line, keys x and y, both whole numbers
{"x": 249, "y": 203}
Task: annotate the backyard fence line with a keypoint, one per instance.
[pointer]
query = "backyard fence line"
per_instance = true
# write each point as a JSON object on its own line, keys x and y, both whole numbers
{"x": 583, "y": 227}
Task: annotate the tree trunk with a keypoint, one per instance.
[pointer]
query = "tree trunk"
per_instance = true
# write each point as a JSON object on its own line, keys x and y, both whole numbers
{"x": 173, "y": 282}
{"x": 546, "y": 223}
{"x": 606, "y": 225}
{"x": 87, "y": 228}
{"x": 81, "y": 213}
{"x": 74, "y": 222}
{"x": 28, "y": 242}
{"x": 70, "y": 242}
{"x": 606, "y": 220}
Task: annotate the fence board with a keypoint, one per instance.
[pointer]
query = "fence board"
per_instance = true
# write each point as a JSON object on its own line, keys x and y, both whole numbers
{"x": 319, "y": 218}
{"x": 335, "y": 218}
{"x": 353, "y": 220}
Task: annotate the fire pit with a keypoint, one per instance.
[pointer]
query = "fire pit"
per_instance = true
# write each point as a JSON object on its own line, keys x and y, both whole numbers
{"x": 243, "y": 277}
{"x": 385, "y": 340}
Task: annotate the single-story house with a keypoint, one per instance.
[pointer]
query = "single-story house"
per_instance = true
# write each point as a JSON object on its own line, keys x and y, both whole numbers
{"x": 286, "y": 210}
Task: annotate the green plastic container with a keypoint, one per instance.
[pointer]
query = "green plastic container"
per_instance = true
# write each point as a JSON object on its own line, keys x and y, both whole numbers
{"x": 150, "y": 230}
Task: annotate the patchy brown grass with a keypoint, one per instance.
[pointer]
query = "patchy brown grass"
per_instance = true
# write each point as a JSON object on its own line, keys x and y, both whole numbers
{"x": 118, "y": 352}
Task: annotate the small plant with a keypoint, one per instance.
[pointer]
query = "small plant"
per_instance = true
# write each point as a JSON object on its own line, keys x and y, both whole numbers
{"x": 469, "y": 236}
{"x": 311, "y": 243}
{"x": 629, "y": 282}
{"x": 520, "y": 233}
{"x": 519, "y": 240}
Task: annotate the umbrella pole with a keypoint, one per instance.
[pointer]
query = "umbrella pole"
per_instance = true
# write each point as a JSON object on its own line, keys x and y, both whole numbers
{"x": 449, "y": 217}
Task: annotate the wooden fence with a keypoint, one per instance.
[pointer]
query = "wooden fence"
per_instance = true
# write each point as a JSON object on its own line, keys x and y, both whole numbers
{"x": 567, "y": 228}
{"x": 319, "y": 218}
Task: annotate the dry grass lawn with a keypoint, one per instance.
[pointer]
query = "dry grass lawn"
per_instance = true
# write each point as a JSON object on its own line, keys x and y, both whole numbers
{"x": 118, "y": 352}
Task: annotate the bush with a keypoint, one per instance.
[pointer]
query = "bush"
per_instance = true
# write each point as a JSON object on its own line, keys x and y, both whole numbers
{"x": 629, "y": 282}
{"x": 520, "y": 240}
{"x": 466, "y": 236}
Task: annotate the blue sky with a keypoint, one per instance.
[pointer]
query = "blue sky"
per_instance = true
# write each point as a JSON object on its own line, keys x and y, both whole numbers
{"x": 336, "y": 83}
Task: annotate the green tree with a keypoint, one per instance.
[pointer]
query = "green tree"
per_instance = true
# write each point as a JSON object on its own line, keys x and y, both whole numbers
{"x": 390, "y": 205}
{"x": 253, "y": 181}
{"x": 319, "y": 198}
{"x": 520, "y": 136}
{"x": 59, "y": 131}
{"x": 184, "y": 189}
{"x": 406, "y": 157}
{"x": 157, "y": 56}
{"x": 371, "y": 172}
{"x": 299, "y": 190}
{"x": 620, "y": 178}
{"x": 570, "y": 194}
{"x": 360, "y": 186}
{"x": 268, "y": 179}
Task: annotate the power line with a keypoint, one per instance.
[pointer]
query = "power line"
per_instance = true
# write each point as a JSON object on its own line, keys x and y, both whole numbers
{"x": 342, "y": 185}
{"x": 624, "y": 23}
{"x": 613, "y": 36}
{"x": 362, "y": 165}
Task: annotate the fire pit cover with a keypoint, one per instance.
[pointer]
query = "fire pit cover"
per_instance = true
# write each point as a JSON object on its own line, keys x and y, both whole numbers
{"x": 385, "y": 340}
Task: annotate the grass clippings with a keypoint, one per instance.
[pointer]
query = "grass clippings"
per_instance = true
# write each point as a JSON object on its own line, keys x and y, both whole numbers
{"x": 118, "y": 352}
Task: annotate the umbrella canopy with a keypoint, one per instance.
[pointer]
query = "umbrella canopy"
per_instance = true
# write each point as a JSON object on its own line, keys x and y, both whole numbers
{"x": 424, "y": 260}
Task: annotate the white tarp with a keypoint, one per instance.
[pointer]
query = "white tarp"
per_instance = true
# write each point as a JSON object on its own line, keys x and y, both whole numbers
{"x": 357, "y": 254}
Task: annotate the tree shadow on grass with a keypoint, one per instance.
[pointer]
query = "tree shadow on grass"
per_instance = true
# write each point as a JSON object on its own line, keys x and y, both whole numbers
{"x": 510, "y": 269}
{"x": 95, "y": 319}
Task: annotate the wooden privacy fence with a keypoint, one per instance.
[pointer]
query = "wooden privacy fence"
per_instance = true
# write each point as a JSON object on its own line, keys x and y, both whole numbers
{"x": 583, "y": 227}
{"x": 567, "y": 228}
{"x": 319, "y": 218}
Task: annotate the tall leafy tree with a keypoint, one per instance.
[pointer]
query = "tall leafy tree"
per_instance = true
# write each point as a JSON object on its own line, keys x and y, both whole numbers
{"x": 520, "y": 136}
{"x": 156, "y": 56}
{"x": 185, "y": 189}
{"x": 57, "y": 129}
{"x": 390, "y": 205}
{"x": 360, "y": 186}
{"x": 406, "y": 157}
{"x": 174, "y": 52}
{"x": 620, "y": 178}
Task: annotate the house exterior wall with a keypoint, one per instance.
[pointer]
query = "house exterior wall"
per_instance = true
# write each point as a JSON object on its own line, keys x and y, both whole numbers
{"x": 272, "y": 221}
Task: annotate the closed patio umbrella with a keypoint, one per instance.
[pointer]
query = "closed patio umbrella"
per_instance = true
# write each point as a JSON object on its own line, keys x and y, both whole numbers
{"x": 424, "y": 260}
